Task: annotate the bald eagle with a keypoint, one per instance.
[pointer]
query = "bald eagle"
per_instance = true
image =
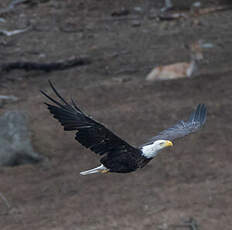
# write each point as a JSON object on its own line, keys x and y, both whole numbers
{"x": 117, "y": 155}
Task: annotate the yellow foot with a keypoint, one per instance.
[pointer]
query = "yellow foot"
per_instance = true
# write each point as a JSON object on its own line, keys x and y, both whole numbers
{"x": 105, "y": 171}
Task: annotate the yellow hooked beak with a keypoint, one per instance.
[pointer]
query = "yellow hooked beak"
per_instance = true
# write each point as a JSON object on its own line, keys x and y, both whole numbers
{"x": 168, "y": 144}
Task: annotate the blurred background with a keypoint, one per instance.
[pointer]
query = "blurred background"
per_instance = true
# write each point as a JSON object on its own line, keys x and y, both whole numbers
{"x": 138, "y": 67}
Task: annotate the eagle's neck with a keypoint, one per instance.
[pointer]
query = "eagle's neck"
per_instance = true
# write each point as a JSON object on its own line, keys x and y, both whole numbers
{"x": 150, "y": 151}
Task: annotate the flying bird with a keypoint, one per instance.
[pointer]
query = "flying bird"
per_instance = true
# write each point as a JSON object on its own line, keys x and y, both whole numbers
{"x": 117, "y": 155}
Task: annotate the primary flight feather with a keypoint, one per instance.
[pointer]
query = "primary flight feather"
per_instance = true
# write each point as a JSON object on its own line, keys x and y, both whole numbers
{"x": 117, "y": 155}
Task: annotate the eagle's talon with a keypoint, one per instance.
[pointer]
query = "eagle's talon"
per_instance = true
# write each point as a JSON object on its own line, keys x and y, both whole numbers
{"x": 105, "y": 171}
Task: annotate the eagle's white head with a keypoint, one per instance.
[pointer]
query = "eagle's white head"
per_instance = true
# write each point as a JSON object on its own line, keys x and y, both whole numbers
{"x": 151, "y": 150}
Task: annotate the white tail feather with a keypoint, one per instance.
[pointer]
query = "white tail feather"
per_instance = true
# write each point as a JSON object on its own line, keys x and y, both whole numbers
{"x": 95, "y": 170}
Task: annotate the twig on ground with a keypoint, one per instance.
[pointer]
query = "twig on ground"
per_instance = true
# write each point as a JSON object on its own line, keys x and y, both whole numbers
{"x": 10, "y": 97}
{"x": 196, "y": 12}
{"x": 13, "y": 32}
{"x": 191, "y": 224}
{"x": 47, "y": 67}
{"x": 5, "y": 201}
{"x": 121, "y": 12}
{"x": 212, "y": 9}
{"x": 11, "y": 6}
{"x": 121, "y": 18}
{"x": 7, "y": 99}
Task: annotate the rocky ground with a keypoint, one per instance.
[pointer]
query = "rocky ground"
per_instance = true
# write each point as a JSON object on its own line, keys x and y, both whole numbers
{"x": 191, "y": 181}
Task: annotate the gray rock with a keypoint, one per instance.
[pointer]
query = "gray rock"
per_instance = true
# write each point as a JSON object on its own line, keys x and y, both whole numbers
{"x": 15, "y": 143}
{"x": 2, "y": 20}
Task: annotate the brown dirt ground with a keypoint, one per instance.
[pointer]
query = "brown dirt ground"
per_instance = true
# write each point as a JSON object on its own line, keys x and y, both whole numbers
{"x": 193, "y": 179}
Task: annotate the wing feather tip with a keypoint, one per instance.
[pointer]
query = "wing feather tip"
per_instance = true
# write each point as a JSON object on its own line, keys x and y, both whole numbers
{"x": 200, "y": 114}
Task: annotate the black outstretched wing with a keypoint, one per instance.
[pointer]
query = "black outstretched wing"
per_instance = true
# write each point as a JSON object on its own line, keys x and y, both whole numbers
{"x": 90, "y": 133}
{"x": 183, "y": 128}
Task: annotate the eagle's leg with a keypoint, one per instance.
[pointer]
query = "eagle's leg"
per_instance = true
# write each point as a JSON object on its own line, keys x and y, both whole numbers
{"x": 99, "y": 169}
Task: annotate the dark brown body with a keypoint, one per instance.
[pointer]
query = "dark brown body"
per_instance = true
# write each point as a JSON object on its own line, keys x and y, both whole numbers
{"x": 125, "y": 163}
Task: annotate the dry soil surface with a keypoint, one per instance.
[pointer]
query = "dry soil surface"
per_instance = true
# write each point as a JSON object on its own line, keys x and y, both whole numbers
{"x": 191, "y": 180}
